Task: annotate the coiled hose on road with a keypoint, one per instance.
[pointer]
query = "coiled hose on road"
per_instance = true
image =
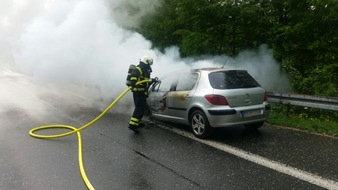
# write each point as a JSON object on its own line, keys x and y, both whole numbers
{"x": 77, "y": 131}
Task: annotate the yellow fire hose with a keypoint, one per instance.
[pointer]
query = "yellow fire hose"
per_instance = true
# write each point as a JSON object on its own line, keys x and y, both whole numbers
{"x": 77, "y": 131}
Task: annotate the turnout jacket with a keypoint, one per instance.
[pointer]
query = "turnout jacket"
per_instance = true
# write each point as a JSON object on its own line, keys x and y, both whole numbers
{"x": 142, "y": 72}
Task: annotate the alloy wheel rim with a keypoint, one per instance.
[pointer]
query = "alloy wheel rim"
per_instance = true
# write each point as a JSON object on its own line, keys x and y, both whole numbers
{"x": 198, "y": 124}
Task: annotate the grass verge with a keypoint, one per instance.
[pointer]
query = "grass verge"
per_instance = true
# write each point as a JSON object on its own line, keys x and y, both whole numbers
{"x": 308, "y": 119}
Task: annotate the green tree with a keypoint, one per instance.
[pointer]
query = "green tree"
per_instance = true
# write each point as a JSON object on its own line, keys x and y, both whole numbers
{"x": 303, "y": 34}
{"x": 306, "y": 41}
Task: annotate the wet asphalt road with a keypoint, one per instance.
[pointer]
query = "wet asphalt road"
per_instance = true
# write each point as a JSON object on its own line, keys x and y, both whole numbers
{"x": 115, "y": 158}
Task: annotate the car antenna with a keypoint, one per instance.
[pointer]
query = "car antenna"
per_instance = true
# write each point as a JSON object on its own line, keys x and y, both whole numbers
{"x": 225, "y": 63}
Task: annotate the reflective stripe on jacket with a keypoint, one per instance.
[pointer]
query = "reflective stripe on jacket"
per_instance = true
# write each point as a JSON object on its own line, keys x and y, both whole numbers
{"x": 140, "y": 74}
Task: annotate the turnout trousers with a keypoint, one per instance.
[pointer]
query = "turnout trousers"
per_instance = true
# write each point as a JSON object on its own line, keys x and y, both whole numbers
{"x": 140, "y": 102}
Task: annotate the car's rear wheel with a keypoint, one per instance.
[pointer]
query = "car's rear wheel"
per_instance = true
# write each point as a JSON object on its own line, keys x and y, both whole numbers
{"x": 200, "y": 125}
{"x": 254, "y": 126}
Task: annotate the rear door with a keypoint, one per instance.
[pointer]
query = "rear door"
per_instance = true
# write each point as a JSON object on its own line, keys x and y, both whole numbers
{"x": 180, "y": 96}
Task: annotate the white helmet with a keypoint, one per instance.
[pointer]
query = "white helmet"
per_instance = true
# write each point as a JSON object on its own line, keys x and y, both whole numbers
{"x": 147, "y": 60}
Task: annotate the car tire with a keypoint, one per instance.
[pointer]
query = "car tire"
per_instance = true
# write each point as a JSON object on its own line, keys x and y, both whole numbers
{"x": 254, "y": 126}
{"x": 200, "y": 125}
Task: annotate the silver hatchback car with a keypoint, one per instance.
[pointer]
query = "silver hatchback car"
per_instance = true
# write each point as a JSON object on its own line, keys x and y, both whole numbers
{"x": 208, "y": 98}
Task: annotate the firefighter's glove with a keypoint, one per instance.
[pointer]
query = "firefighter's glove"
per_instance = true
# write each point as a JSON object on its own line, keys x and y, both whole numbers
{"x": 133, "y": 84}
{"x": 154, "y": 80}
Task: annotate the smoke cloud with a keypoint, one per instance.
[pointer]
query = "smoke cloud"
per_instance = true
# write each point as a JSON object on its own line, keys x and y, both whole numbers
{"x": 84, "y": 43}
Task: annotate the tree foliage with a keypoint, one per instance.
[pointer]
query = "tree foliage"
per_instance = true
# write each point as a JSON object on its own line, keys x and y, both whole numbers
{"x": 303, "y": 34}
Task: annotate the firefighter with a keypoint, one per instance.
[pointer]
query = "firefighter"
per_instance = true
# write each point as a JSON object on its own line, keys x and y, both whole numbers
{"x": 140, "y": 91}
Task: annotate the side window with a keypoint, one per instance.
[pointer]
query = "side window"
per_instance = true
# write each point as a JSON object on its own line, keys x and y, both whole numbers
{"x": 166, "y": 83}
{"x": 187, "y": 82}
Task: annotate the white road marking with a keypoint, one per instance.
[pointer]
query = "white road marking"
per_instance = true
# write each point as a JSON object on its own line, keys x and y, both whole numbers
{"x": 277, "y": 166}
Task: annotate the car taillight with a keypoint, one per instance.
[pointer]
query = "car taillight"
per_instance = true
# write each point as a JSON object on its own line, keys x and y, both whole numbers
{"x": 216, "y": 99}
{"x": 265, "y": 96}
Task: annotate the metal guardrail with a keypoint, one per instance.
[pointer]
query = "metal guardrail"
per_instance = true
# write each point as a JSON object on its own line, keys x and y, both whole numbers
{"x": 327, "y": 103}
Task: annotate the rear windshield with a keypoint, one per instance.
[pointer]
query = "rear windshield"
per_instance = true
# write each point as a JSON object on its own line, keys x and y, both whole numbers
{"x": 232, "y": 80}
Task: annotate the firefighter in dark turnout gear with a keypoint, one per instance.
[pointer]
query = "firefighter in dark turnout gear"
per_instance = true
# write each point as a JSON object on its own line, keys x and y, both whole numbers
{"x": 140, "y": 91}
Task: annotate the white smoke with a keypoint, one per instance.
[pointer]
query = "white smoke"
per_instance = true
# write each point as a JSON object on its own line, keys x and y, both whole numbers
{"x": 129, "y": 13}
{"x": 259, "y": 63}
{"x": 14, "y": 17}
{"x": 84, "y": 43}
{"x": 78, "y": 42}
{"x": 264, "y": 68}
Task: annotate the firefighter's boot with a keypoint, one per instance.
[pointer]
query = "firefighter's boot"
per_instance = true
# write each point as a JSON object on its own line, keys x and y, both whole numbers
{"x": 134, "y": 128}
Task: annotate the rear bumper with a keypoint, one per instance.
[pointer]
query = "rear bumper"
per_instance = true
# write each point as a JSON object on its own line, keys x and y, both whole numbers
{"x": 241, "y": 116}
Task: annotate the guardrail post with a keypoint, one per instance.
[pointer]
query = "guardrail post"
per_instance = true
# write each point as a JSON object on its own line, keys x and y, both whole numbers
{"x": 287, "y": 110}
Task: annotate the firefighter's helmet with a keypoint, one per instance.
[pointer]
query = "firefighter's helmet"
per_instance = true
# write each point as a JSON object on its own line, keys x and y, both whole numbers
{"x": 147, "y": 60}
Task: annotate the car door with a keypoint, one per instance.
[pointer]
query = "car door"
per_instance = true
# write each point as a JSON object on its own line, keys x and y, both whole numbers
{"x": 157, "y": 99}
{"x": 179, "y": 97}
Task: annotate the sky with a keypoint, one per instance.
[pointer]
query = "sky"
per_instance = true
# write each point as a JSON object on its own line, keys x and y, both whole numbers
{"x": 82, "y": 45}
